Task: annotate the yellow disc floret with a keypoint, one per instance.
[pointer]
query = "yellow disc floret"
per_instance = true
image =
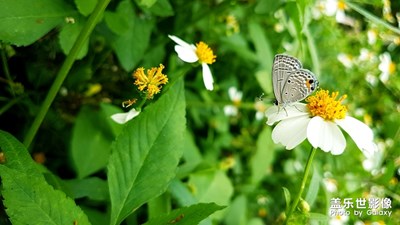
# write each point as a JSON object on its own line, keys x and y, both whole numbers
{"x": 205, "y": 53}
{"x": 326, "y": 106}
{"x": 152, "y": 82}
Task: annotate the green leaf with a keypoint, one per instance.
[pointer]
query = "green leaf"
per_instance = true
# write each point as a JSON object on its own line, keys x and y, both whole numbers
{"x": 237, "y": 211}
{"x": 15, "y": 155}
{"x": 212, "y": 186}
{"x": 94, "y": 188}
{"x": 145, "y": 155}
{"x": 23, "y": 22}
{"x": 261, "y": 161}
{"x": 286, "y": 194}
{"x": 116, "y": 21}
{"x": 85, "y": 7}
{"x": 193, "y": 214}
{"x": 68, "y": 36}
{"x": 131, "y": 46}
{"x": 30, "y": 200}
{"x": 313, "y": 187}
{"x": 191, "y": 155}
{"x": 372, "y": 17}
{"x": 91, "y": 141}
{"x": 262, "y": 45}
{"x": 146, "y": 3}
{"x": 162, "y": 8}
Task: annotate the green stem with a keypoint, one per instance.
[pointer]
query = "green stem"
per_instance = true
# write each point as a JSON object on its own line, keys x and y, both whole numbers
{"x": 6, "y": 70}
{"x": 303, "y": 183}
{"x": 65, "y": 68}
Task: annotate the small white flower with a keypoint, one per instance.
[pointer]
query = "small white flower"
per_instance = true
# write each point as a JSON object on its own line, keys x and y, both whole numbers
{"x": 345, "y": 59}
{"x": 201, "y": 53}
{"x": 122, "y": 118}
{"x": 319, "y": 122}
{"x": 236, "y": 97}
{"x": 337, "y": 8}
{"x": 372, "y": 35}
{"x": 330, "y": 184}
{"x": 386, "y": 66}
{"x": 373, "y": 162}
{"x": 340, "y": 219}
{"x": 367, "y": 56}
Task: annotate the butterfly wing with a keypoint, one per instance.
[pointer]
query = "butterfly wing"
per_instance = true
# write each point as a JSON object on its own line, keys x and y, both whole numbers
{"x": 299, "y": 84}
{"x": 283, "y": 66}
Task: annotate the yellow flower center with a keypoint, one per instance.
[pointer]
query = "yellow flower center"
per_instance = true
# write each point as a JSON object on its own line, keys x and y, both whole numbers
{"x": 205, "y": 53}
{"x": 326, "y": 106}
{"x": 392, "y": 67}
{"x": 152, "y": 82}
{"x": 341, "y": 5}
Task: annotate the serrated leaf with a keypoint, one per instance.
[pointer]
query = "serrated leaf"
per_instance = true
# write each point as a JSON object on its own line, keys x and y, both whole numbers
{"x": 132, "y": 44}
{"x": 85, "y": 7}
{"x": 263, "y": 158}
{"x": 15, "y": 154}
{"x": 91, "y": 141}
{"x": 145, "y": 155}
{"x": 23, "y": 22}
{"x": 30, "y": 200}
{"x": 68, "y": 35}
{"x": 193, "y": 214}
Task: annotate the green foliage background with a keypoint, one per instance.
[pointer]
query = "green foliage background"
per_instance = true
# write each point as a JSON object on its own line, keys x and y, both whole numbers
{"x": 183, "y": 151}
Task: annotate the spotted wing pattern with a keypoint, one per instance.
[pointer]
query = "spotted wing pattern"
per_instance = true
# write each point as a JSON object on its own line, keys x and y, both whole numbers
{"x": 300, "y": 84}
{"x": 283, "y": 66}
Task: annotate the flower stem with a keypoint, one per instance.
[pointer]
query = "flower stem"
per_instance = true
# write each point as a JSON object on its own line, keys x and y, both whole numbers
{"x": 303, "y": 183}
{"x": 65, "y": 68}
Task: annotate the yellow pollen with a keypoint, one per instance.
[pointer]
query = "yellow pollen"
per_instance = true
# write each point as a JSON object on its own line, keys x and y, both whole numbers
{"x": 205, "y": 53}
{"x": 341, "y": 5}
{"x": 326, "y": 106}
{"x": 152, "y": 82}
{"x": 392, "y": 67}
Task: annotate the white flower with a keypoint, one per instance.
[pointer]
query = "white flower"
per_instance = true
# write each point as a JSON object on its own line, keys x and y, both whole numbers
{"x": 196, "y": 53}
{"x": 337, "y": 8}
{"x": 122, "y": 118}
{"x": 372, "y": 34}
{"x": 345, "y": 59}
{"x": 236, "y": 97}
{"x": 340, "y": 219}
{"x": 386, "y": 66}
{"x": 319, "y": 122}
{"x": 373, "y": 163}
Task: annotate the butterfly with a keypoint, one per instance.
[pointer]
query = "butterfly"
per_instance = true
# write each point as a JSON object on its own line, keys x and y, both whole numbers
{"x": 290, "y": 81}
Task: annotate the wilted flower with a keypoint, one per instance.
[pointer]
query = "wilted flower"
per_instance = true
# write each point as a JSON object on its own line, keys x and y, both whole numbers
{"x": 318, "y": 121}
{"x": 152, "y": 82}
{"x": 236, "y": 97}
{"x": 196, "y": 53}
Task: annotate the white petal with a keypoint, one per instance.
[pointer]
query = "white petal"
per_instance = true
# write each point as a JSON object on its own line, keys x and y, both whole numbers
{"x": 122, "y": 118}
{"x": 325, "y": 135}
{"x": 291, "y": 132}
{"x": 179, "y": 41}
{"x": 277, "y": 113}
{"x": 360, "y": 133}
{"x": 207, "y": 77}
{"x": 186, "y": 54}
{"x": 230, "y": 110}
